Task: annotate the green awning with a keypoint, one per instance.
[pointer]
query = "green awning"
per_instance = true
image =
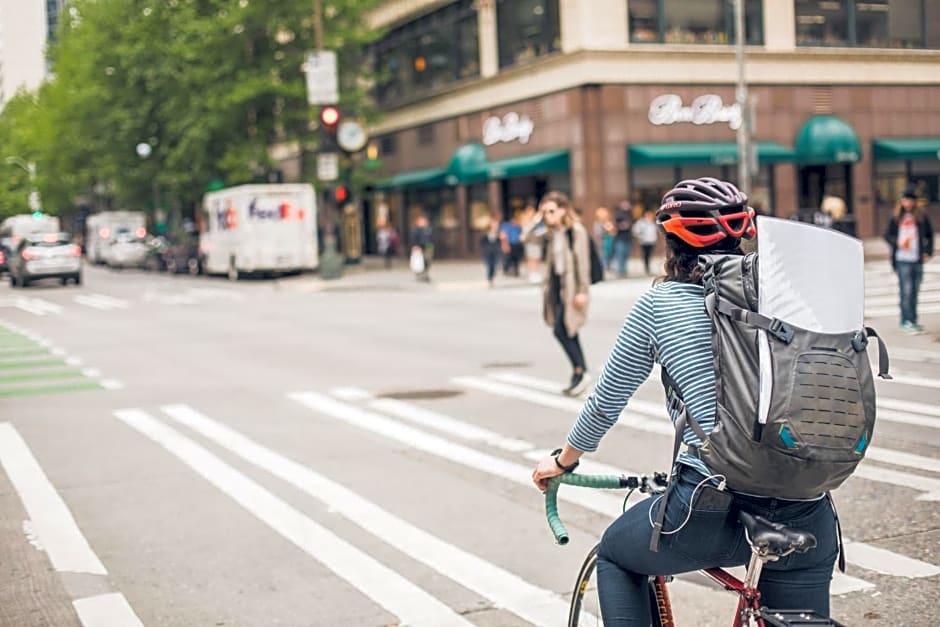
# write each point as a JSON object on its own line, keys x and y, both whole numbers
{"x": 827, "y": 139}
{"x": 530, "y": 165}
{"x": 431, "y": 177}
{"x": 721, "y": 153}
{"x": 906, "y": 149}
{"x": 468, "y": 165}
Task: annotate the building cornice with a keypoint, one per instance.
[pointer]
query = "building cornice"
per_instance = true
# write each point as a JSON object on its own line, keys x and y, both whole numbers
{"x": 658, "y": 64}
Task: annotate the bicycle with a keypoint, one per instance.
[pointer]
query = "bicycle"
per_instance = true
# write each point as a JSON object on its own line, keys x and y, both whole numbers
{"x": 769, "y": 542}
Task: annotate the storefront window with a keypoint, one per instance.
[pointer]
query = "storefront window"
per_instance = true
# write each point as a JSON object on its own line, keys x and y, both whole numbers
{"x": 692, "y": 21}
{"x": 435, "y": 50}
{"x": 649, "y": 185}
{"x": 527, "y": 29}
{"x": 866, "y": 23}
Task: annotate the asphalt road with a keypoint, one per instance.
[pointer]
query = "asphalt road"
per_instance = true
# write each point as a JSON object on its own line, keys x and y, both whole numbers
{"x": 186, "y": 451}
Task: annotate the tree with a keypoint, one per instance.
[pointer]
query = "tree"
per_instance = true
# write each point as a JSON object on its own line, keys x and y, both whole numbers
{"x": 209, "y": 85}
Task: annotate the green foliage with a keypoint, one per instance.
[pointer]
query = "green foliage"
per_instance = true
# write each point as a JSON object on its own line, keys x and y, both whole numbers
{"x": 211, "y": 85}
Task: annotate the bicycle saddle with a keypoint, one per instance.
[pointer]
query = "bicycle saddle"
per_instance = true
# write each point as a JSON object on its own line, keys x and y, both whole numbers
{"x": 773, "y": 539}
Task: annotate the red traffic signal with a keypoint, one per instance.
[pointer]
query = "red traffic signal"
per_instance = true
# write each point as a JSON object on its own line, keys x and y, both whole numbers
{"x": 341, "y": 193}
{"x": 329, "y": 116}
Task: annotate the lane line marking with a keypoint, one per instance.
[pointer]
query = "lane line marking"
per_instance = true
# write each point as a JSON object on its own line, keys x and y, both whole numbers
{"x": 106, "y": 610}
{"x": 408, "y": 602}
{"x": 435, "y": 420}
{"x": 52, "y": 522}
{"x": 506, "y": 590}
{"x": 593, "y": 500}
{"x": 658, "y": 412}
{"x": 887, "y": 562}
{"x": 451, "y": 451}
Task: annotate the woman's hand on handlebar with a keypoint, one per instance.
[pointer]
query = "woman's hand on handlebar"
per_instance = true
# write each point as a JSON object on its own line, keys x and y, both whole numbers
{"x": 545, "y": 470}
{"x": 548, "y": 467}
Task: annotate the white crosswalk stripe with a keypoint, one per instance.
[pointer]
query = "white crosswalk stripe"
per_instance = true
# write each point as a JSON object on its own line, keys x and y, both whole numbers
{"x": 504, "y": 589}
{"x": 411, "y": 604}
{"x": 902, "y": 566}
{"x": 101, "y": 301}
{"x": 35, "y": 306}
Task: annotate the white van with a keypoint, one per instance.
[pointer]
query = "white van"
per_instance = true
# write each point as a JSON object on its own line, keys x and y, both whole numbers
{"x": 259, "y": 229}
{"x": 105, "y": 228}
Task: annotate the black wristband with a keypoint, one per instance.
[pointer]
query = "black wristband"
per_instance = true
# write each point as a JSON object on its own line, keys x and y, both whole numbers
{"x": 570, "y": 468}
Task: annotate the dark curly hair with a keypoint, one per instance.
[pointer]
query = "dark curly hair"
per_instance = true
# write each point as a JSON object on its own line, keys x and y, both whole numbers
{"x": 681, "y": 263}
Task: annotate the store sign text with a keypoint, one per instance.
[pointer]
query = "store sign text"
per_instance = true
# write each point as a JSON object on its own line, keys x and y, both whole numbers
{"x": 511, "y": 127}
{"x": 706, "y": 109}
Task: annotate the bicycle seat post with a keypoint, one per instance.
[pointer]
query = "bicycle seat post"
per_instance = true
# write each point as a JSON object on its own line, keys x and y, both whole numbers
{"x": 755, "y": 566}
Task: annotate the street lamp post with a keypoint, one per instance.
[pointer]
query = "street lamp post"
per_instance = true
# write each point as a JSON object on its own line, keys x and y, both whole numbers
{"x": 35, "y": 203}
{"x": 745, "y": 158}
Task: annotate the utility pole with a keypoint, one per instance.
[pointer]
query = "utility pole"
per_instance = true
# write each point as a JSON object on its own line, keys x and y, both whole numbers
{"x": 744, "y": 131}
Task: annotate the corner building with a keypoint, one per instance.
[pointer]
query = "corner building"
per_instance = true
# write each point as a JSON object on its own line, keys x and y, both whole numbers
{"x": 487, "y": 104}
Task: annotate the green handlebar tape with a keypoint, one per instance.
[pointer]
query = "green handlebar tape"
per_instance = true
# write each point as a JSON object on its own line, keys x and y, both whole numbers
{"x": 585, "y": 481}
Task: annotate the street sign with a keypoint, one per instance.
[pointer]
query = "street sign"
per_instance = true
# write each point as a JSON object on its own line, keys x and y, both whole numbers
{"x": 328, "y": 166}
{"x": 322, "y": 81}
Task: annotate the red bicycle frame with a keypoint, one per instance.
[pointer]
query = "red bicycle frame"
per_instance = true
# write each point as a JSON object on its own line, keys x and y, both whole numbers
{"x": 748, "y": 598}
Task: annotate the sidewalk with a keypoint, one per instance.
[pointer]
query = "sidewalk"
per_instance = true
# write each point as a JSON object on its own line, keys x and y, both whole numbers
{"x": 458, "y": 275}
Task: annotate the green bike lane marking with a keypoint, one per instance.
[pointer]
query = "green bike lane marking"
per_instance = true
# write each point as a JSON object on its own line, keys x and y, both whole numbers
{"x": 39, "y": 376}
{"x": 20, "y": 364}
{"x": 50, "y": 389}
{"x": 19, "y": 352}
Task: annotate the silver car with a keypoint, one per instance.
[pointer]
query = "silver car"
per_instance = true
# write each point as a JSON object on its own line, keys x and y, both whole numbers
{"x": 45, "y": 256}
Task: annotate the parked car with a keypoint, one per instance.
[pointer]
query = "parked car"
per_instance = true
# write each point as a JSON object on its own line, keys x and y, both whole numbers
{"x": 183, "y": 256}
{"x": 6, "y": 246}
{"x": 45, "y": 256}
{"x": 127, "y": 250}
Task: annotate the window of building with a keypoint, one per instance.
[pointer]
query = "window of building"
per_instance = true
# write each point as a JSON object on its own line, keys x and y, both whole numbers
{"x": 692, "y": 21}
{"x": 389, "y": 145}
{"x": 527, "y": 29}
{"x": 431, "y": 51}
{"x": 868, "y": 23}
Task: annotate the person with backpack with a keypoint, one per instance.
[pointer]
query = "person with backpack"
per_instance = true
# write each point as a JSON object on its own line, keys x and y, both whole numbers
{"x": 910, "y": 236}
{"x": 567, "y": 278}
{"x": 695, "y": 524}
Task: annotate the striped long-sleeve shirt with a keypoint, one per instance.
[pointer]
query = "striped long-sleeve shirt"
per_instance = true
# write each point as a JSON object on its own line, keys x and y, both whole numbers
{"x": 668, "y": 325}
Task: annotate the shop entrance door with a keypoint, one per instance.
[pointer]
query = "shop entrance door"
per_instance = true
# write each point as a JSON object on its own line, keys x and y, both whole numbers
{"x": 816, "y": 181}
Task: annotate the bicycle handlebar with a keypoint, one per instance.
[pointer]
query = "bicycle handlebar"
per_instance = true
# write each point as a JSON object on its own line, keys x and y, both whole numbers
{"x": 642, "y": 483}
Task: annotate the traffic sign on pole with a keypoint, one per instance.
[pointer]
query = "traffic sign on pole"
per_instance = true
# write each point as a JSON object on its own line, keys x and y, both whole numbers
{"x": 322, "y": 77}
{"x": 328, "y": 166}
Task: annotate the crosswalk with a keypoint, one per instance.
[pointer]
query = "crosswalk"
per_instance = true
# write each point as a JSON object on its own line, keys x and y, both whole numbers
{"x": 42, "y": 307}
{"x": 205, "y": 444}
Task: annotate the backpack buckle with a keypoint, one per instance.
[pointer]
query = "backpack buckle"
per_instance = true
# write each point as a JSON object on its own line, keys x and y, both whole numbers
{"x": 781, "y": 331}
{"x": 860, "y": 341}
{"x": 674, "y": 404}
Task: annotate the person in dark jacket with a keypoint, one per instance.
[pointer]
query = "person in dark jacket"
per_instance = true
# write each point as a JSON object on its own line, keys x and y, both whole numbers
{"x": 910, "y": 236}
{"x": 491, "y": 249}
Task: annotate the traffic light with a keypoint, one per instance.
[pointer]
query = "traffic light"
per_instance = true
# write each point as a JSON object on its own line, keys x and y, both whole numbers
{"x": 341, "y": 194}
{"x": 329, "y": 120}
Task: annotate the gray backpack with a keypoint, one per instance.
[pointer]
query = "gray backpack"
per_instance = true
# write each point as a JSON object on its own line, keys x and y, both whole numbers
{"x": 822, "y": 407}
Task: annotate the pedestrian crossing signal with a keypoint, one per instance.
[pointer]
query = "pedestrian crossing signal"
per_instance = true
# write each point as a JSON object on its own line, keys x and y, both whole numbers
{"x": 341, "y": 193}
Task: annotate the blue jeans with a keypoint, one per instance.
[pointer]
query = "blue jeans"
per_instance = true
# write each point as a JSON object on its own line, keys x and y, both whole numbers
{"x": 622, "y": 250}
{"x": 711, "y": 538}
{"x": 910, "y": 275}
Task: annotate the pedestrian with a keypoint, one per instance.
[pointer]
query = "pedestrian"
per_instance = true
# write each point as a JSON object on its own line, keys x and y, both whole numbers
{"x": 604, "y": 232}
{"x": 387, "y": 242}
{"x": 670, "y": 325}
{"x": 910, "y": 236}
{"x": 512, "y": 247}
{"x": 834, "y": 208}
{"x": 623, "y": 239}
{"x": 567, "y": 278}
{"x": 533, "y": 251}
{"x": 646, "y": 232}
{"x": 422, "y": 248}
{"x": 491, "y": 247}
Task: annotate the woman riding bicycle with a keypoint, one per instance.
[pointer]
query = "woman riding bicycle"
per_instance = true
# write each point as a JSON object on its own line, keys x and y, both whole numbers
{"x": 669, "y": 325}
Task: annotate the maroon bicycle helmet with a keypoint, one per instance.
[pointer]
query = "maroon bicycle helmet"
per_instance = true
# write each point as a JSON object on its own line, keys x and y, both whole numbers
{"x": 706, "y": 213}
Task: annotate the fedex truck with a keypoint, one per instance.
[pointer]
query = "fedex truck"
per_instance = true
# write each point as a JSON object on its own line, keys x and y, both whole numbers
{"x": 104, "y": 228}
{"x": 259, "y": 229}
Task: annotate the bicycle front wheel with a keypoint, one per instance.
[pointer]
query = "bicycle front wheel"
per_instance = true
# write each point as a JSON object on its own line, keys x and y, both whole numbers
{"x": 585, "y": 604}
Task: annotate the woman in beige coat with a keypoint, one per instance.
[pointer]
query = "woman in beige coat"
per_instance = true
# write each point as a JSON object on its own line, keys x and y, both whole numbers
{"x": 567, "y": 278}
